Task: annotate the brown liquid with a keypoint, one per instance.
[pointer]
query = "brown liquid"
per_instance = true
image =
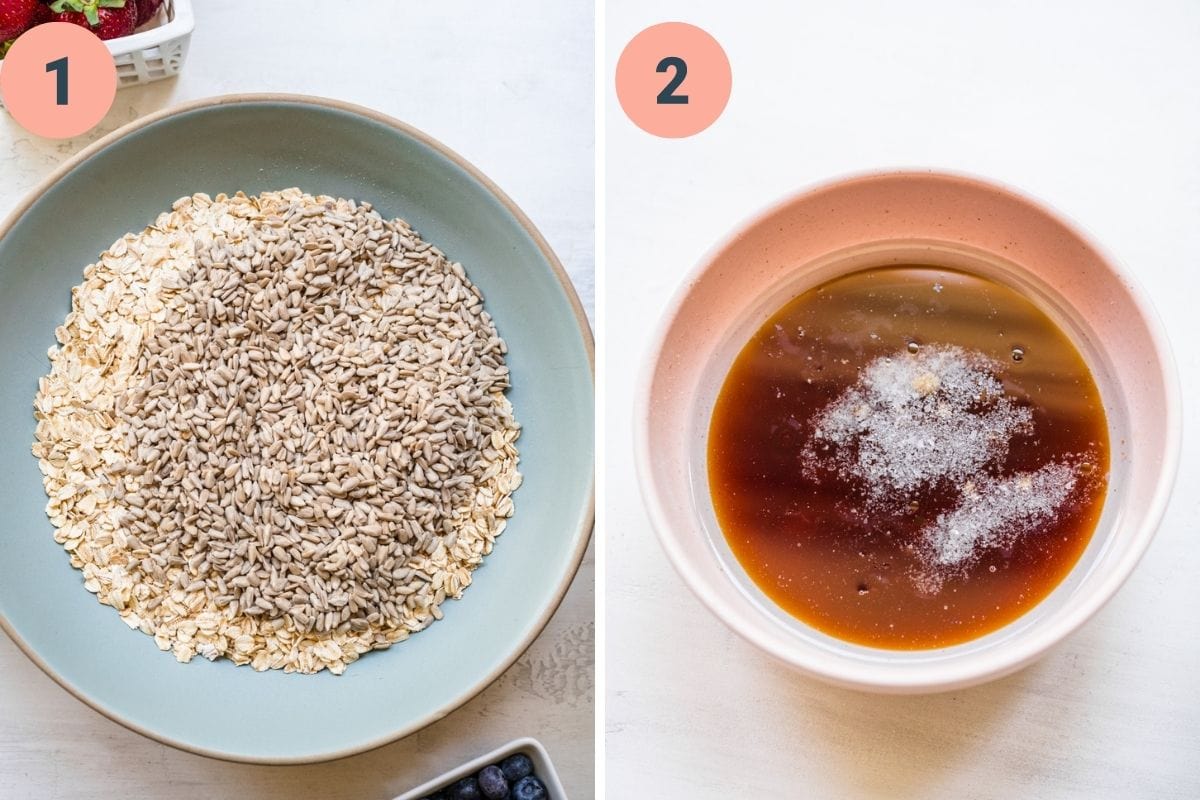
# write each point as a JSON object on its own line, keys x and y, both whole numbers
{"x": 814, "y": 541}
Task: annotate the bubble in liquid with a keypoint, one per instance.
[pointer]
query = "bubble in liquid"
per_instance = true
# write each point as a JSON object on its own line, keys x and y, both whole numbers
{"x": 863, "y": 589}
{"x": 1086, "y": 468}
{"x": 992, "y": 568}
{"x": 1018, "y": 354}
{"x": 913, "y": 347}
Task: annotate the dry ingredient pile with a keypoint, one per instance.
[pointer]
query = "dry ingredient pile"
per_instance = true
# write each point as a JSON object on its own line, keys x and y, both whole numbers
{"x": 275, "y": 430}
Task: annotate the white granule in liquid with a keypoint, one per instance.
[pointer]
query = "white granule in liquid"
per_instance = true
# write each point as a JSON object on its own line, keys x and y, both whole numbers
{"x": 938, "y": 418}
{"x": 914, "y": 420}
{"x": 995, "y": 512}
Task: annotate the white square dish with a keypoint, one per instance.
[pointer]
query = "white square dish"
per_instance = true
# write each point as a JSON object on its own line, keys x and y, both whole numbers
{"x": 542, "y": 768}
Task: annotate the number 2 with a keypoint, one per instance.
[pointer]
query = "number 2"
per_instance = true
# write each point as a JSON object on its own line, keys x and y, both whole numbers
{"x": 59, "y": 67}
{"x": 667, "y": 96}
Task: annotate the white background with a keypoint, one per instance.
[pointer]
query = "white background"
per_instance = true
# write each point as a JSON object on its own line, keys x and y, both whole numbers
{"x": 1095, "y": 108}
{"x": 510, "y": 87}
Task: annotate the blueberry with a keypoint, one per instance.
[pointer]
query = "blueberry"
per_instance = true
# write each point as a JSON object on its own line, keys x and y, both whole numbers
{"x": 516, "y": 767}
{"x": 492, "y": 783}
{"x": 466, "y": 789}
{"x": 529, "y": 788}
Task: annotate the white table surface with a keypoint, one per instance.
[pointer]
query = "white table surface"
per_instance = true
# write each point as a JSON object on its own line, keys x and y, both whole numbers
{"x": 1091, "y": 106}
{"x": 509, "y": 87}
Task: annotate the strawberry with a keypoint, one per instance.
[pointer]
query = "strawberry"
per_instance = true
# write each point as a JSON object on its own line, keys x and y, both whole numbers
{"x": 147, "y": 9}
{"x": 108, "y": 19}
{"x": 16, "y": 17}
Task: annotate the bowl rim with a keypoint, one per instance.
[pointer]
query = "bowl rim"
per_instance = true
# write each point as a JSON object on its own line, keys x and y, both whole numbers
{"x": 877, "y": 677}
{"x": 582, "y": 534}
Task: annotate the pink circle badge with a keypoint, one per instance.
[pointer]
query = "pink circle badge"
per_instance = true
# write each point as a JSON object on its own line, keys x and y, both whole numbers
{"x": 673, "y": 80}
{"x": 58, "y": 80}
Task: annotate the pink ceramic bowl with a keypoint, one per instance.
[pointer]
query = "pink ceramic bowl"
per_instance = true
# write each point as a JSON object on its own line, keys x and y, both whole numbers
{"x": 906, "y": 217}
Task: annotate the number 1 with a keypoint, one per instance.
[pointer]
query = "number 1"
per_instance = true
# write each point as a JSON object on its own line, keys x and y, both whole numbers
{"x": 59, "y": 67}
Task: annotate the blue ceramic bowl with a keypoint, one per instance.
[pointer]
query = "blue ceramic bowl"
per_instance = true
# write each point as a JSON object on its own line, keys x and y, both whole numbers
{"x": 256, "y": 143}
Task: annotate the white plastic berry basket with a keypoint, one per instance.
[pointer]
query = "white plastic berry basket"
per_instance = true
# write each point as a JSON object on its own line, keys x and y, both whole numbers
{"x": 157, "y": 49}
